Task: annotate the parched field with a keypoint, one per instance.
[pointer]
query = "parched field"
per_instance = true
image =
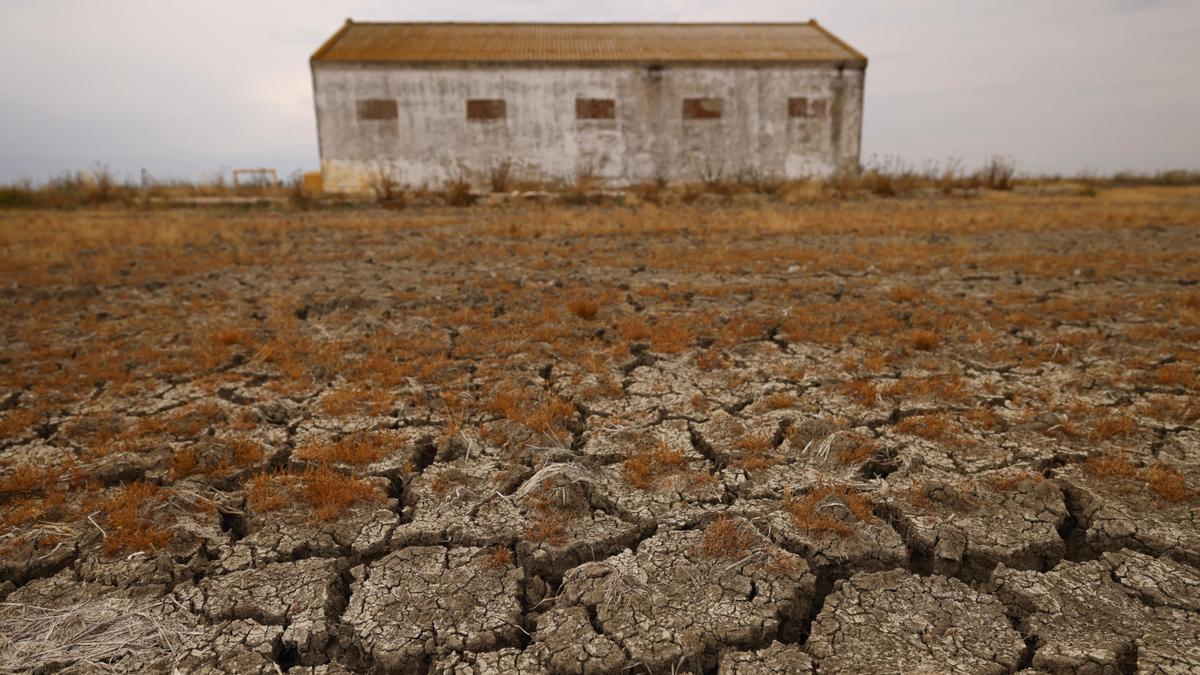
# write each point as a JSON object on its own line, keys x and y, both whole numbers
{"x": 930, "y": 434}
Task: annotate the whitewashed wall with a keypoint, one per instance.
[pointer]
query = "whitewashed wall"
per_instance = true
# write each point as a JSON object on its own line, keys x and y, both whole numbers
{"x": 432, "y": 139}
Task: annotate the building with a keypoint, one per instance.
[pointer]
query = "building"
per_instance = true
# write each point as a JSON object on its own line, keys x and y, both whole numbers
{"x": 626, "y": 103}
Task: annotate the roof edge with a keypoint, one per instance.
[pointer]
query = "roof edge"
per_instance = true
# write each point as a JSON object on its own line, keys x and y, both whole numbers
{"x": 857, "y": 57}
{"x": 810, "y": 22}
{"x": 853, "y": 63}
{"x": 328, "y": 44}
{"x": 845, "y": 45}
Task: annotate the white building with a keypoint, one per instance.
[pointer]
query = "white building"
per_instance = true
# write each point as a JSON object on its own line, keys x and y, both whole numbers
{"x": 624, "y": 102}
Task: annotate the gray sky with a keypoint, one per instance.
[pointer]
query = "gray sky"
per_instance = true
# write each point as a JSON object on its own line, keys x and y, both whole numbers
{"x": 186, "y": 88}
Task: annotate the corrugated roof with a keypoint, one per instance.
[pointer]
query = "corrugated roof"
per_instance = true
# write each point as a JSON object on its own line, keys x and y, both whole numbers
{"x": 585, "y": 43}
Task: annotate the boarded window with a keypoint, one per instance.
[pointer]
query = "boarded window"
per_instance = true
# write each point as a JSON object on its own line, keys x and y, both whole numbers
{"x": 804, "y": 107}
{"x": 487, "y": 109}
{"x": 595, "y": 109}
{"x": 703, "y": 108}
{"x": 377, "y": 109}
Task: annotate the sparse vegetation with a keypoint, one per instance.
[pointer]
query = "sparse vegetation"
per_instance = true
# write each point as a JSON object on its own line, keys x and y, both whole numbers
{"x": 728, "y": 537}
{"x": 1163, "y": 481}
{"x": 325, "y": 492}
{"x": 356, "y": 449}
{"x": 657, "y": 464}
{"x": 830, "y": 509}
{"x": 133, "y": 518}
{"x": 185, "y": 384}
{"x": 583, "y": 307}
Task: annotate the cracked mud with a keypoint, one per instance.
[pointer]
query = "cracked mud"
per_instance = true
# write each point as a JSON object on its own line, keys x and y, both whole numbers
{"x": 931, "y": 435}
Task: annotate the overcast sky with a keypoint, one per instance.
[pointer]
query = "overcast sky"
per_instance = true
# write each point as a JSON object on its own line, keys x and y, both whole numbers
{"x": 186, "y": 88}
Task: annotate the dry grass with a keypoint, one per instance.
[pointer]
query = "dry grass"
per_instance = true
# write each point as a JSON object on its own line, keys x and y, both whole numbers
{"x": 87, "y": 636}
{"x": 1167, "y": 483}
{"x": 242, "y": 453}
{"x": 779, "y": 400}
{"x": 498, "y": 558}
{"x": 754, "y": 451}
{"x": 669, "y": 336}
{"x": 728, "y": 537}
{"x": 862, "y": 391}
{"x": 326, "y": 493}
{"x": 1177, "y": 375}
{"x": 16, "y": 422}
{"x": 934, "y": 427}
{"x": 860, "y": 450}
{"x": 549, "y": 528}
{"x": 1109, "y": 427}
{"x": 659, "y": 466}
{"x": 924, "y": 340}
{"x": 110, "y": 306}
{"x": 357, "y": 449}
{"x": 534, "y": 409}
{"x": 583, "y": 307}
{"x": 829, "y": 509}
{"x": 1164, "y": 481}
{"x": 633, "y": 329}
{"x": 550, "y": 516}
{"x": 356, "y": 401}
{"x": 1011, "y": 481}
{"x": 131, "y": 518}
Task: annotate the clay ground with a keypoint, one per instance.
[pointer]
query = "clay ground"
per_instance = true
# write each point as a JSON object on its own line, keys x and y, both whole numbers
{"x": 919, "y": 435}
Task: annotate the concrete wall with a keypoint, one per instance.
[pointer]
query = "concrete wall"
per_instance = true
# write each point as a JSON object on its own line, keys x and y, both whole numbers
{"x": 432, "y": 140}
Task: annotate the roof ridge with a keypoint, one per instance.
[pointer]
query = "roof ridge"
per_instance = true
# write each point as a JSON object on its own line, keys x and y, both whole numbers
{"x": 585, "y": 42}
{"x": 810, "y": 22}
{"x": 328, "y": 44}
{"x": 838, "y": 40}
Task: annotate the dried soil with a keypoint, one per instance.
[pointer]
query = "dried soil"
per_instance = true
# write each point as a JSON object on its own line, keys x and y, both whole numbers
{"x": 933, "y": 435}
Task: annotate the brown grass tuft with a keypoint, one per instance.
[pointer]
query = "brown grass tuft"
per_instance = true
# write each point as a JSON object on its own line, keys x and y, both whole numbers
{"x": 130, "y": 517}
{"x": 1176, "y": 375}
{"x": 924, "y": 340}
{"x": 183, "y": 463}
{"x": 583, "y": 307}
{"x": 864, "y": 392}
{"x": 647, "y": 468}
{"x": 329, "y": 493}
{"x": 324, "y": 491}
{"x": 779, "y": 400}
{"x": 499, "y": 558}
{"x": 754, "y": 450}
{"x": 669, "y": 336}
{"x": 357, "y": 449}
{"x": 1010, "y": 482}
{"x": 862, "y": 449}
{"x": 1111, "y": 467}
{"x": 1167, "y": 483}
{"x": 1164, "y": 481}
{"x": 1109, "y": 427}
{"x": 813, "y": 511}
{"x": 633, "y": 329}
{"x": 549, "y": 527}
{"x": 17, "y": 421}
{"x": 727, "y": 537}
{"x": 932, "y": 427}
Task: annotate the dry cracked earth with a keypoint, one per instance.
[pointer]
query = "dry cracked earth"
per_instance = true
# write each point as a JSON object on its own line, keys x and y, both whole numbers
{"x": 911, "y": 436}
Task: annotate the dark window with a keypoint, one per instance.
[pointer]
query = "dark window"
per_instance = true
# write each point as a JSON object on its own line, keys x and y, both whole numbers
{"x": 805, "y": 107}
{"x": 377, "y": 109}
{"x": 487, "y": 109}
{"x": 595, "y": 109}
{"x": 702, "y": 108}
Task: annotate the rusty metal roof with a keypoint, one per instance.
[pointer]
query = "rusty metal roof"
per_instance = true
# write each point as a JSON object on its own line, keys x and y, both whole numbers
{"x": 585, "y": 43}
